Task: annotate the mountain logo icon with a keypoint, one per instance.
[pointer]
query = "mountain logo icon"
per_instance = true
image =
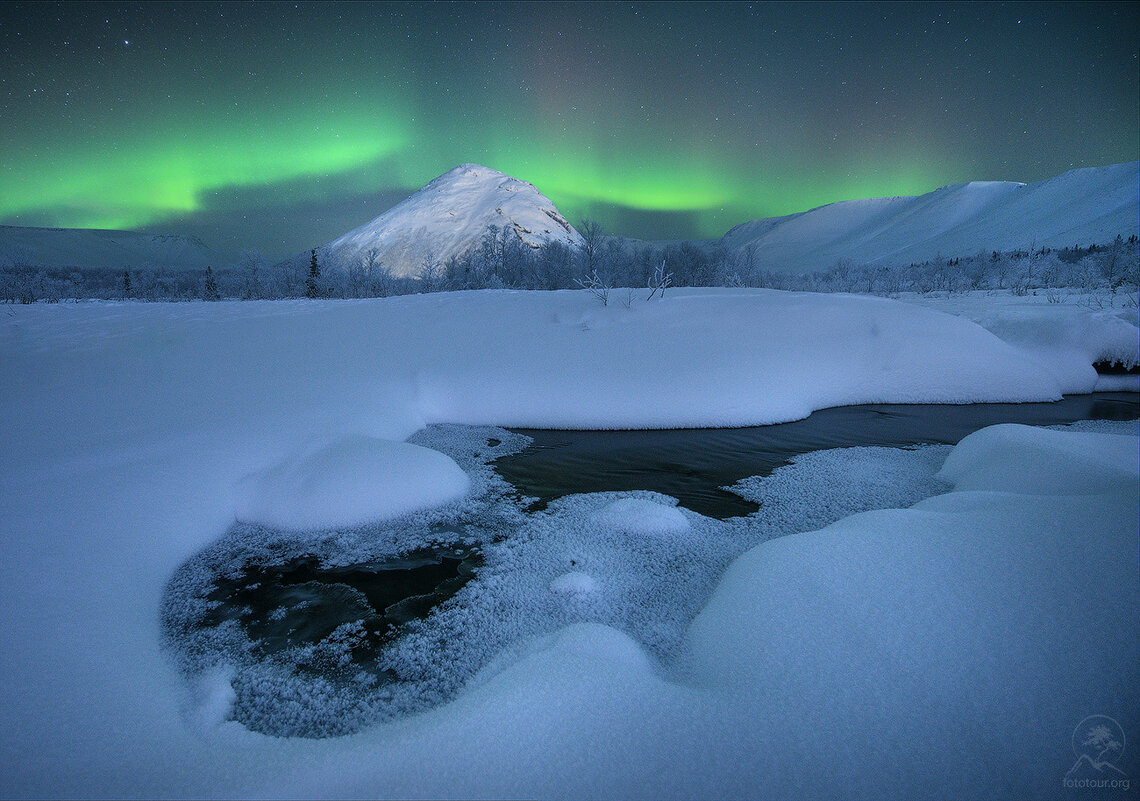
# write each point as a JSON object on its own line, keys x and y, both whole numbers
{"x": 1098, "y": 742}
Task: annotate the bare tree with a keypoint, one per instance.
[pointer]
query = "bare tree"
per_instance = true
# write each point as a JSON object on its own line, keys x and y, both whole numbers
{"x": 596, "y": 286}
{"x": 659, "y": 281}
{"x": 251, "y": 263}
{"x": 592, "y": 239}
{"x": 431, "y": 274}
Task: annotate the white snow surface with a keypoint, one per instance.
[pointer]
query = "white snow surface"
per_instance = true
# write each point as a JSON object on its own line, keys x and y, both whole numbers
{"x": 889, "y": 655}
{"x": 574, "y": 583}
{"x": 1082, "y": 206}
{"x": 921, "y": 638}
{"x": 642, "y": 516}
{"x": 348, "y": 483}
{"x": 450, "y": 216}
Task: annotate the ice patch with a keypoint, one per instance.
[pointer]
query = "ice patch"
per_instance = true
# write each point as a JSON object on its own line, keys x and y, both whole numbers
{"x": 820, "y": 487}
{"x": 350, "y": 482}
{"x": 631, "y": 562}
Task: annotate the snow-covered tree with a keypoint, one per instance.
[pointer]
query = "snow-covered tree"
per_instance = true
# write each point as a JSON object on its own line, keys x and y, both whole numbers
{"x": 312, "y": 290}
{"x": 210, "y": 290}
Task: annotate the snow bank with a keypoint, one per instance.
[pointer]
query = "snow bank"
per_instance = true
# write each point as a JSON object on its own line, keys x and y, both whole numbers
{"x": 352, "y": 481}
{"x": 1065, "y": 339}
{"x": 948, "y": 649}
{"x": 1049, "y": 463}
{"x": 301, "y": 374}
{"x": 706, "y": 358}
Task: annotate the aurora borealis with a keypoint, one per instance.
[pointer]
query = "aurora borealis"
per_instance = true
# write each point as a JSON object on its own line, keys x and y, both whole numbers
{"x": 280, "y": 126}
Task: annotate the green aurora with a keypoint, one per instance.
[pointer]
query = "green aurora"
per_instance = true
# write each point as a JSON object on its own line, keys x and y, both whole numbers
{"x": 278, "y": 127}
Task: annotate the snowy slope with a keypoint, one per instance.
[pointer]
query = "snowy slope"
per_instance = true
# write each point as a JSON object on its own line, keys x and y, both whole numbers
{"x": 101, "y": 249}
{"x": 450, "y": 216}
{"x": 1078, "y": 207}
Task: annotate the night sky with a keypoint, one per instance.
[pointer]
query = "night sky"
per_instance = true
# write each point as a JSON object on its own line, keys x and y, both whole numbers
{"x": 281, "y": 126}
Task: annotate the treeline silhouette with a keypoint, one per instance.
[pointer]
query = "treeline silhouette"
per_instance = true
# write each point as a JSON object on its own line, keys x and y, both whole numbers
{"x": 503, "y": 261}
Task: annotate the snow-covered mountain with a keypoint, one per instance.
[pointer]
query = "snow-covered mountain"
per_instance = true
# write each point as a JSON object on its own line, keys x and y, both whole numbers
{"x": 452, "y": 215}
{"x": 99, "y": 249}
{"x": 1079, "y": 207}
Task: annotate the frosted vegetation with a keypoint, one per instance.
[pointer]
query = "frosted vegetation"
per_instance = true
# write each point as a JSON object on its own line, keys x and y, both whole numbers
{"x": 1102, "y": 275}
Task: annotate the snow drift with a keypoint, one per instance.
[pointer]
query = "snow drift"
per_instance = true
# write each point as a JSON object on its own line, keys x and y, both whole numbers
{"x": 1064, "y": 338}
{"x": 353, "y": 481}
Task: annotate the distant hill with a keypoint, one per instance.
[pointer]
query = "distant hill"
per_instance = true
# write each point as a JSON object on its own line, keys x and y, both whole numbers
{"x": 88, "y": 248}
{"x": 1079, "y": 207}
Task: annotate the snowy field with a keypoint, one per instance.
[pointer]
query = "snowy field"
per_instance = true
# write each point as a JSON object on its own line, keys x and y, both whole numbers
{"x": 943, "y": 642}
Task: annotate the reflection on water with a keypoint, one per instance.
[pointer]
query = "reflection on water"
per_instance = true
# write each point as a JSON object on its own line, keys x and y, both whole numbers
{"x": 692, "y": 464}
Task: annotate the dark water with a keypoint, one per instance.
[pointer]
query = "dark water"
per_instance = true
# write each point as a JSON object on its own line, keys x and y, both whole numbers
{"x": 692, "y": 464}
{"x": 302, "y": 601}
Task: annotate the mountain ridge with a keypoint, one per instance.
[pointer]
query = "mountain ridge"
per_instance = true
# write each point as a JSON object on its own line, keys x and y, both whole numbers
{"x": 453, "y": 213}
{"x": 1090, "y": 204}
{"x": 104, "y": 249}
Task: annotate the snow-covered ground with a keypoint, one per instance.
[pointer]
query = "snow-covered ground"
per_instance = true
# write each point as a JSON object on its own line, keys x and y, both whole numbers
{"x": 946, "y": 650}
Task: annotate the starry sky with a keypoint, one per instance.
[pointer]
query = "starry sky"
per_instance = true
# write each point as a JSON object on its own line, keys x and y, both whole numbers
{"x": 279, "y": 126}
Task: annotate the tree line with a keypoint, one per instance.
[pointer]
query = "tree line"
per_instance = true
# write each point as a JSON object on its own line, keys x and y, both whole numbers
{"x": 503, "y": 261}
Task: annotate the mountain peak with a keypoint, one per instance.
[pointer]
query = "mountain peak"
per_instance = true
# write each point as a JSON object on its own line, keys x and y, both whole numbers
{"x": 450, "y": 216}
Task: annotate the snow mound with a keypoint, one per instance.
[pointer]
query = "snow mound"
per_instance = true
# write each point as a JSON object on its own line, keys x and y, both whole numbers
{"x": 1051, "y": 463}
{"x": 642, "y": 516}
{"x": 574, "y": 583}
{"x": 451, "y": 216}
{"x": 908, "y": 631}
{"x": 212, "y": 699}
{"x": 350, "y": 482}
